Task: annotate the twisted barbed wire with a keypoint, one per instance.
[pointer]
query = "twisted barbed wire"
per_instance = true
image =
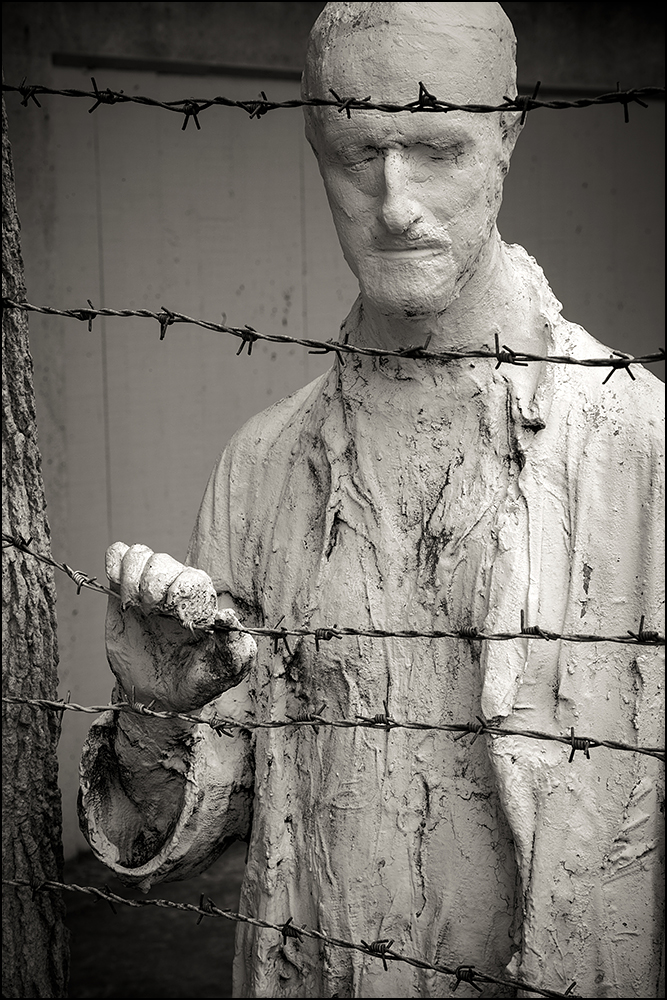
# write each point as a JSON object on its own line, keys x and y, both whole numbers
{"x": 223, "y": 726}
{"x": 278, "y": 633}
{"x": 427, "y": 102}
{"x": 377, "y": 949}
{"x": 248, "y": 335}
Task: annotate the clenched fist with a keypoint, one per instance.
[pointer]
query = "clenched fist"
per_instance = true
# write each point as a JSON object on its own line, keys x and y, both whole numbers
{"x": 159, "y": 643}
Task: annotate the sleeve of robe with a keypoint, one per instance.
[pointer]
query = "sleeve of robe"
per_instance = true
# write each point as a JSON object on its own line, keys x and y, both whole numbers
{"x": 216, "y": 771}
{"x": 589, "y": 834}
{"x": 218, "y": 776}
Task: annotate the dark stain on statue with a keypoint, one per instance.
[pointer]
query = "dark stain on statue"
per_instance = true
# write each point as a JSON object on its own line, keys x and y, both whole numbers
{"x": 588, "y": 572}
{"x": 333, "y": 535}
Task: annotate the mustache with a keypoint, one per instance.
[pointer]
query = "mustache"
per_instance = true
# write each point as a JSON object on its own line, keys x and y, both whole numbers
{"x": 424, "y": 239}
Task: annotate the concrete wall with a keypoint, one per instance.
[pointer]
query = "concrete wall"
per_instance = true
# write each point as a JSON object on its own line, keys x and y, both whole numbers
{"x": 124, "y": 208}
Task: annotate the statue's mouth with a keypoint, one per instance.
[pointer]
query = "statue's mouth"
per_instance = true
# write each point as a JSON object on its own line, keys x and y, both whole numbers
{"x": 411, "y": 253}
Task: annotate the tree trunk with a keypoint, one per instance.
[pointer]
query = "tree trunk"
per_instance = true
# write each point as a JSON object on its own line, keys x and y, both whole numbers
{"x": 34, "y": 939}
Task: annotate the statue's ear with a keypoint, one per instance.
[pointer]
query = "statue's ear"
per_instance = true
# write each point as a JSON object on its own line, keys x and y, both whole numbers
{"x": 510, "y": 125}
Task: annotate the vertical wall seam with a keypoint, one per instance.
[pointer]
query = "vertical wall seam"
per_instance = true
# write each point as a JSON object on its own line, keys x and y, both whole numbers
{"x": 103, "y": 333}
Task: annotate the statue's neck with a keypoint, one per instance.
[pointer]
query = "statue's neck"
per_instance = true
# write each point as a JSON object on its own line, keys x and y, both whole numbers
{"x": 492, "y": 300}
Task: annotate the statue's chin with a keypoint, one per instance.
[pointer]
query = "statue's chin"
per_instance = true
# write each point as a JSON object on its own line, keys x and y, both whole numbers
{"x": 410, "y": 303}
{"x": 412, "y": 290}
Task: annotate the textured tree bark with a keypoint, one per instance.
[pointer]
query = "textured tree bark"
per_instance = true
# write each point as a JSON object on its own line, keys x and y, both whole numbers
{"x": 34, "y": 939}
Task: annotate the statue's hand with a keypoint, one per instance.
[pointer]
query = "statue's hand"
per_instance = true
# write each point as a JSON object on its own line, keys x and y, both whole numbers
{"x": 158, "y": 631}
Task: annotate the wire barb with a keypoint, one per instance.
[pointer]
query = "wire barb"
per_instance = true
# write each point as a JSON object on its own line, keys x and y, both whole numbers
{"x": 627, "y": 98}
{"x": 28, "y": 94}
{"x": 507, "y": 355}
{"x": 379, "y": 949}
{"x": 191, "y": 110}
{"x": 578, "y": 744}
{"x": 165, "y": 319}
{"x": 86, "y": 314}
{"x": 288, "y": 930}
{"x": 207, "y": 906}
{"x": 108, "y": 900}
{"x": 329, "y": 346}
{"x": 425, "y": 101}
{"x": 528, "y": 102}
{"x": 280, "y": 633}
{"x": 465, "y": 974}
{"x": 642, "y": 635}
{"x": 104, "y": 97}
{"x": 65, "y": 702}
{"x": 259, "y": 108}
{"x": 314, "y": 717}
{"x": 381, "y": 719}
{"x": 477, "y": 728}
{"x": 323, "y": 635}
{"x": 248, "y": 337}
{"x": 220, "y": 728}
{"x": 415, "y": 351}
{"x": 350, "y": 102}
{"x": 532, "y": 629}
{"x": 80, "y": 579}
{"x": 619, "y": 360}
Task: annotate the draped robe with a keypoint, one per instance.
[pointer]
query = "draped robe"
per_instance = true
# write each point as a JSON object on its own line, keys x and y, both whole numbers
{"x": 403, "y": 494}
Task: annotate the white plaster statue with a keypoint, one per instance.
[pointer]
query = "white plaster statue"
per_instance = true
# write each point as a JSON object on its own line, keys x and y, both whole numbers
{"x": 403, "y": 493}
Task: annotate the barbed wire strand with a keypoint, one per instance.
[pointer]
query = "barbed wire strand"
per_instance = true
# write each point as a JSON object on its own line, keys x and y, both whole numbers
{"x": 642, "y": 637}
{"x": 248, "y": 335}
{"x": 378, "y": 949}
{"x": 426, "y": 102}
{"x": 222, "y": 726}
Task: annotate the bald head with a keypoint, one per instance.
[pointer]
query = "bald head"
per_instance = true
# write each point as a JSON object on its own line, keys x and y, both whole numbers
{"x": 463, "y": 52}
{"x": 414, "y": 197}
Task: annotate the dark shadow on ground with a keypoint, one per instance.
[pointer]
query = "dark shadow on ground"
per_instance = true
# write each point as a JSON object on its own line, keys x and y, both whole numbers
{"x": 152, "y": 952}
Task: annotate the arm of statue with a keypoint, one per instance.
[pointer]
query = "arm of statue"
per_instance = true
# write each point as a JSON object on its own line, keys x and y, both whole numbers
{"x": 162, "y": 798}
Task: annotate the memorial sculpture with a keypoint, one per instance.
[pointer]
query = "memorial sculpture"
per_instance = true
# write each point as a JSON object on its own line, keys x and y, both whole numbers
{"x": 401, "y": 493}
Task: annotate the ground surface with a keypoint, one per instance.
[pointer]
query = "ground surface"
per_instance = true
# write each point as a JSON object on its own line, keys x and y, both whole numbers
{"x": 152, "y": 952}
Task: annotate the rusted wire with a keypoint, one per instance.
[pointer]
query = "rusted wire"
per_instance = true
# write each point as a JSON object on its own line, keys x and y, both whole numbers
{"x": 207, "y": 908}
{"x": 257, "y": 107}
{"x": 222, "y": 726}
{"x": 249, "y": 336}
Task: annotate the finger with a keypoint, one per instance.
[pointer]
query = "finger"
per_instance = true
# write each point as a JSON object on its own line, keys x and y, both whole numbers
{"x": 192, "y": 598}
{"x": 227, "y": 616}
{"x": 158, "y": 575}
{"x": 241, "y": 645}
{"x": 113, "y": 557}
{"x": 132, "y": 567}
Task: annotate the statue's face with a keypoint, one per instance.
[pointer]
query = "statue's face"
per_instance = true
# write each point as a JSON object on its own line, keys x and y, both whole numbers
{"x": 414, "y": 196}
{"x": 414, "y": 199}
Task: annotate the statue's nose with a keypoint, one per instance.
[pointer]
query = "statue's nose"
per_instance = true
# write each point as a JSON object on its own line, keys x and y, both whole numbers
{"x": 400, "y": 207}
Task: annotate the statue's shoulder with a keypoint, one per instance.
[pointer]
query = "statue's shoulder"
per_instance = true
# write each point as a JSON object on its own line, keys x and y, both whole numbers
{"x": 633, "y": 393}
{"x": 618, "y": 418}
{"x": 630, "y": 404}
{"x": 273, "y": 432}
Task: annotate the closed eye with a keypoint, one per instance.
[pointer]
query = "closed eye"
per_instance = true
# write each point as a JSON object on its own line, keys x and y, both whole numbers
{"x": 361, "y": 159}
{"x": 353, "y": 158}
{"x": 448, "y": 154}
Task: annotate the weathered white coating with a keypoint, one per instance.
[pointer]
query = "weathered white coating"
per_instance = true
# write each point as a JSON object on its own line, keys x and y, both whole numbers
{"x": 405, "y": 494}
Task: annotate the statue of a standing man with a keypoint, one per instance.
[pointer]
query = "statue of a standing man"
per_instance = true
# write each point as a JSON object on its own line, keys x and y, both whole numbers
{"x": 392, "y": 494}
